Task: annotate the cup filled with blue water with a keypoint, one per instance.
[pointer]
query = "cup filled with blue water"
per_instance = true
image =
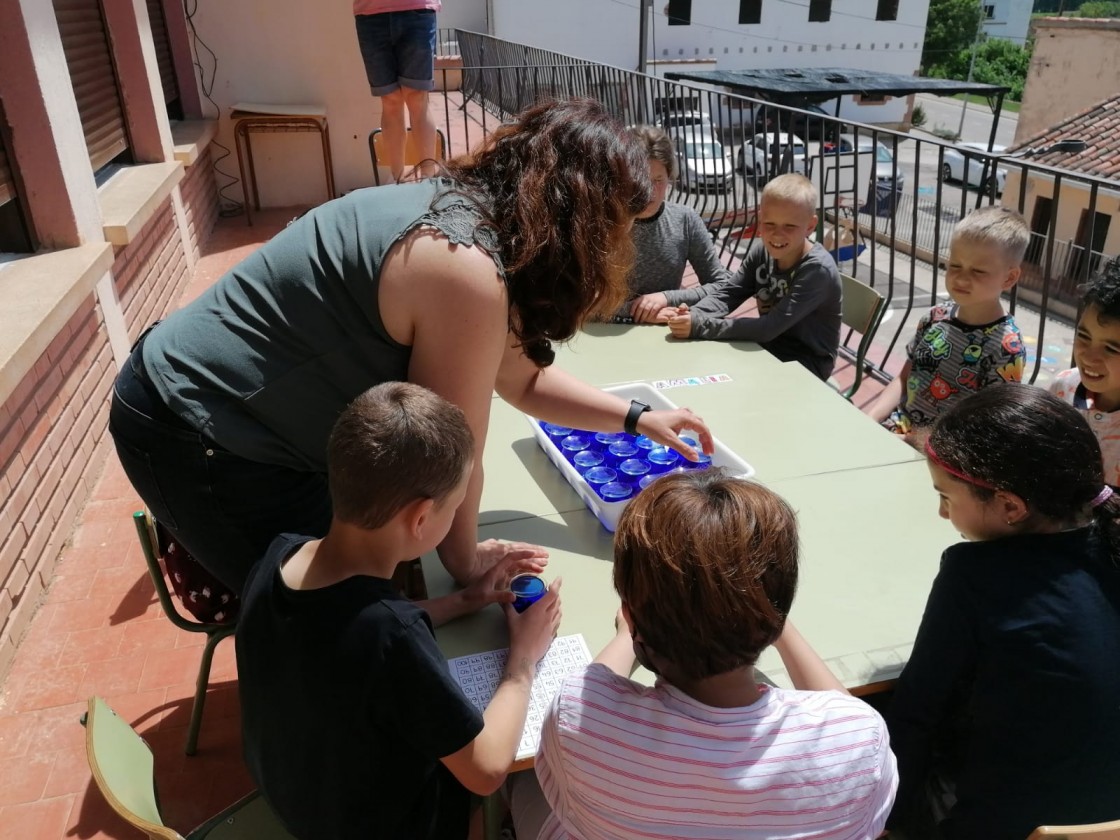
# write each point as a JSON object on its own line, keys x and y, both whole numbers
{"x": 598, "y": 476}
{"x": 615, "y": 491}
{"x": 573, "y": 444}
{"x": 527, "y": 589}
{"x": 588, "y": 458}
{"x": 603, "y": 440}
{"x": 556, "y": 433}
{"x": 621, "y": 451}
{"x": 662, "y": 459}
{"x": 633, "y": 469}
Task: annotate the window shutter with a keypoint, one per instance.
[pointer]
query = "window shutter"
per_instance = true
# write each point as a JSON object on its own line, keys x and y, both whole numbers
{"x": 163, "y": 51}
{"x": 89, "y": 60}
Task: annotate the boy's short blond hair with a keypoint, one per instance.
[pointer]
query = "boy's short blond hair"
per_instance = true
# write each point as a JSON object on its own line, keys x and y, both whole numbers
{"x": 794, "y": 188}
{"x": 999, "y": 227}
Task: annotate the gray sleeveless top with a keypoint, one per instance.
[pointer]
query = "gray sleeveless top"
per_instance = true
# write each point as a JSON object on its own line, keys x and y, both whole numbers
{"x": 264, "y": 360}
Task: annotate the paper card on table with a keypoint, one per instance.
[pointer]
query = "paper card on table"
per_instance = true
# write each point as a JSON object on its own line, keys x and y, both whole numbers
{"x": 479, "y": 674}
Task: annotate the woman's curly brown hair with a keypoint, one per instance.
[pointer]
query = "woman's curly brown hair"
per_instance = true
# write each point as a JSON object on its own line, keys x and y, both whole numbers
{"x": 562, "y": 185}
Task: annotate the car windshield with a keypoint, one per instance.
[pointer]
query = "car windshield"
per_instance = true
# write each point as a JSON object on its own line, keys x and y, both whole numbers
{"x": 703, "y": 151}
{"x": 882, "y": 154}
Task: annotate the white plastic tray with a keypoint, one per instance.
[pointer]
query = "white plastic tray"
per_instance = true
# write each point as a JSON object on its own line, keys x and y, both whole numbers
{"x": 609, "y": 512}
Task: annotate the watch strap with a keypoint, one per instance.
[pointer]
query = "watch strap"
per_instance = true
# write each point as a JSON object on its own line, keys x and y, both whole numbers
{"x": 637, "y": 409}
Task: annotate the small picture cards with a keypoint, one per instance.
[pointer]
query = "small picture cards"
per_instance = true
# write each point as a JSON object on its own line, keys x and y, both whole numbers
{"x": 666, "y": 384}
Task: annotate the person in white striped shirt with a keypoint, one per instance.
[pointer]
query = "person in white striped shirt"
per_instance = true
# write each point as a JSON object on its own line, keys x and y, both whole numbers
{"x": 706, "y": 568}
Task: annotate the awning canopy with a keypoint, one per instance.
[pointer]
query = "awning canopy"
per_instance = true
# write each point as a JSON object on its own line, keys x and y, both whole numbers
{"x": 817, "y": 84}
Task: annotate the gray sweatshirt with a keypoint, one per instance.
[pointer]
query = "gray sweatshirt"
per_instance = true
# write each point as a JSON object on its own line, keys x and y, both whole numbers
{"x": 663, "y": 243}
{"x": 799, "y": 309}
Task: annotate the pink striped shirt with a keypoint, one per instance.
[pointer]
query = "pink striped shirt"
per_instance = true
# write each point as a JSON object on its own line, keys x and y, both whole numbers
{"x": 377, "y": 7}
{"x": 619, "y": 760}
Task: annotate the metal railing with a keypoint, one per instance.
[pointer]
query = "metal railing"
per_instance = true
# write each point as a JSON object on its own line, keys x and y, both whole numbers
{"x": 897, "y": 207}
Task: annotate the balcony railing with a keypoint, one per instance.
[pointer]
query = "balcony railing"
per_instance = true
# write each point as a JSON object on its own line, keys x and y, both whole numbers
{"x": 887, "y": 187}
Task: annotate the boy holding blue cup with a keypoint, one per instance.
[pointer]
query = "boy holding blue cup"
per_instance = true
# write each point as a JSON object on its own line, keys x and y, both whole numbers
{"x": 386, "y": 742}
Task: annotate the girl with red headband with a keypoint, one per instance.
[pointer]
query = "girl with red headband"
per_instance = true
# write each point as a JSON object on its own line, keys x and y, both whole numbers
{"x": 1007, "y": 715}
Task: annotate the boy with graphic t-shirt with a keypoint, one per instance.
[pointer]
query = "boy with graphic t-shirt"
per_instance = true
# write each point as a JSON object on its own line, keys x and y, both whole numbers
{"x": 793, "y": 279}
{"x": 352, "y": 724}
{"x": 963, "y": 346}
{"x": 1093, "y": 387}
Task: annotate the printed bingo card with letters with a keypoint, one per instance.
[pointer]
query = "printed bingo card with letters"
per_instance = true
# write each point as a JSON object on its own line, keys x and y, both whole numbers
{"x": 480, "y": 673}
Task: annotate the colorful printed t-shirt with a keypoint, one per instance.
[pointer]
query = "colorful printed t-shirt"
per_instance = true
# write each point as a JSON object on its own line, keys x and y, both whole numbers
{"x": 950, "y": 359}
{"x": 1105, "y": 424}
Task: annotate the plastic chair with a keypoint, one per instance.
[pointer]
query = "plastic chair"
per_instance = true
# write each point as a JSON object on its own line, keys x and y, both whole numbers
{"x": 411, "y": 155}
{"x": 122, "y": 768}
{"x": 862, "y": 309}
{"x": 1097, "y": 831}
{"x": 145, "y": 530}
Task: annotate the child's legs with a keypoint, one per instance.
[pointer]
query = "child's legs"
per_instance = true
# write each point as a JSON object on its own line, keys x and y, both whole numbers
{"x": 414, "y": 44}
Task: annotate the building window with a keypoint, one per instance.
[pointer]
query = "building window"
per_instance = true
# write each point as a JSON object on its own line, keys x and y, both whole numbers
{"x": 989, "y": 12}
{"x": 679, "y": 12}
{"x": 820, "y": 11}
{"x": 14, "y": 235}
{"x": 886, "y": 10}
{"x": 165, "y": 59}
{"x": 750, "y": 11}
{"x": 85, "y": 42}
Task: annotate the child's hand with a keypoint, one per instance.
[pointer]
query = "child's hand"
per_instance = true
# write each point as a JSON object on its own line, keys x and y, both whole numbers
{"x": 492, "y": 586}
{"x": 646, "y": 309}
{"x": 680, "y": 323}
{"x": 531, "y": 632}
{"x": 492, "y": 551}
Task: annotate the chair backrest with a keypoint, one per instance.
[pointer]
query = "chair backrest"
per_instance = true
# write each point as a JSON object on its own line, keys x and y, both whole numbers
{"x": 411, "y": 155}
{"x": 861, "y": 310}
{"x": 122, "y": 768}
{"x": 1097, "y": 831}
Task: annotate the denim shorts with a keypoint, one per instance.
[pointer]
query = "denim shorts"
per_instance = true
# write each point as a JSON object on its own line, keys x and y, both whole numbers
{"x": 398, "y": 49}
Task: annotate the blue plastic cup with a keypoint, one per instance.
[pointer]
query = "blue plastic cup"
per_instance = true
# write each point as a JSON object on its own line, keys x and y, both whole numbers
{"x": 702, "y": 463}
{"x": 662, "y": 459}
{"x": 557, "y": 433}
{"x": 573, "y": 444}
{"x": 646, "y": 480}
{"x": 615, "y": 491}
{"x": 588, "y": 458}
{"x": 691, "y": 441}
{"x": 597, "y": 476}
{"x": 633, "y": 468}
{"x": 621, "y": 451}
{"x": 603, "y": 440}
{"x": 645, "y": 443}
{"x": 527, "y": 589}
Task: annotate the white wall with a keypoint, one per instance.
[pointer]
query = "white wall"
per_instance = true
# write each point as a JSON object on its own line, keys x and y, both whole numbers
{"x": 608, "y": 32}
{"x": 1010, "y": 19}
{"x": 285, "y": 52}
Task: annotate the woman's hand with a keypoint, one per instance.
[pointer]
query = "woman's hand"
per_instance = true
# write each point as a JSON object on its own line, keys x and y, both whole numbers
{"x": 665, "y": 427}
{"x": 492, "y": 552}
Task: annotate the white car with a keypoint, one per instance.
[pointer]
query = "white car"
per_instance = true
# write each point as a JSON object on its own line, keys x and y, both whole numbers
{"x": 781, "y": 152}
{"x": 952, "y": 168}
{"x": 687, "y": 123}
{"x": 704, "y": 163}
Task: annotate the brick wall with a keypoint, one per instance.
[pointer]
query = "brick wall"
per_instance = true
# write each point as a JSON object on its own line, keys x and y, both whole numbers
{"x": 200, "y": 199}
{"x": 51, "y": 430}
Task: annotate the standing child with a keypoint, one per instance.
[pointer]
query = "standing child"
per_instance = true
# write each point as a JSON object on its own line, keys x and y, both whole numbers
{"x": 706, "y": 567}
{"x": 1093, "y": 387}
{"x": 793, "y": 279}
{"x": 1008, "y": 705}
{"x": 352, "y": 723}
{"x": 970, "y": 343}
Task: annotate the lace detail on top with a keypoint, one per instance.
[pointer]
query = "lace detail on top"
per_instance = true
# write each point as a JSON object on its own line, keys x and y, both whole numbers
{"x": 462, "y": 222}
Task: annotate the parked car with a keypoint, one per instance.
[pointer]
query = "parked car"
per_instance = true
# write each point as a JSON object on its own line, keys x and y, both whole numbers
{"x": 811, "y": 126}
{"x": 686, "y": 122}
{"x": 766, "y": 153}
{"x": 953, "y": 165}
{"x": 886, "y": 173}
{"x": 704, "y": 162}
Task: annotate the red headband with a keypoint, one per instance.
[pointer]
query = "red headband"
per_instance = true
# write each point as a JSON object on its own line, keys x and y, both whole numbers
{"x": 953, "y": 471}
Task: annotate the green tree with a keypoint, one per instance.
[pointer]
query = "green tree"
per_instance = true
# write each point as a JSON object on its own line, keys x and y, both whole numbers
{"x": 1002, "y": 62}
{"x": 1100, "y": 9}
{"x": 950, "y": 31}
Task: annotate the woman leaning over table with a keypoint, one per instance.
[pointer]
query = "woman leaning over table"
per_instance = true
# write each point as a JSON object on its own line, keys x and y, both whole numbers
{"x": 461, "y": 284}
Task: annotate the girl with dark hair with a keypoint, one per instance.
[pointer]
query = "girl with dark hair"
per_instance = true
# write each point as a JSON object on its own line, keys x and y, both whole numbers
{"x": 461, "y": 284}
{"x": 1006, "y": 715}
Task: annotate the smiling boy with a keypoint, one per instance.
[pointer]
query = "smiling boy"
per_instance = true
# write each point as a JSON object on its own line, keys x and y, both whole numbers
{"x": 1093, "y": 387}
{"x": 793, "y": 279}
{"x": 962, "y": 346}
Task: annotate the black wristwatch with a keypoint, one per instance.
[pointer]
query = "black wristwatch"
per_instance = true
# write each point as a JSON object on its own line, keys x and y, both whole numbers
{"x": 637, "y": 409}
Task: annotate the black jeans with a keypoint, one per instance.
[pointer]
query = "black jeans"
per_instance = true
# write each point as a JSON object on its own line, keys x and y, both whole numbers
{"x": 223, "y": 509}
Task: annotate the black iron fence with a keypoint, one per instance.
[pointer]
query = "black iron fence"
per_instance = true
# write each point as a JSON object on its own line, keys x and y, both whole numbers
{"x": 889, "y": 199}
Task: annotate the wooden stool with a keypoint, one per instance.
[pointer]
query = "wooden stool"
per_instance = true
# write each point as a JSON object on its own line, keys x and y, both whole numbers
{"x": 252, "y": 117}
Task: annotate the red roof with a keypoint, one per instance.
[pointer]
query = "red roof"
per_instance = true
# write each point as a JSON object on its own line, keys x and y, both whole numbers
{"x": 1098, "y": 126}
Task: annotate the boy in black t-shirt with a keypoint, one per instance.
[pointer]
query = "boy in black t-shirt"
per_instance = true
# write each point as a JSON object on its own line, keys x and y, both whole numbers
{"x": 352, "y": 723}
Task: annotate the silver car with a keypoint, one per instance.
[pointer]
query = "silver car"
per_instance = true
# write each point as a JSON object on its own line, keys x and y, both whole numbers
{"x": 885, "y": 170}
{"x": 704, "y": 163}
{"x": 772, "y": 151}
{"x": 953, "y": 165}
